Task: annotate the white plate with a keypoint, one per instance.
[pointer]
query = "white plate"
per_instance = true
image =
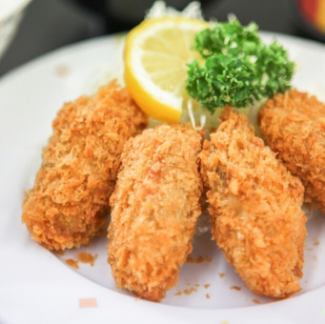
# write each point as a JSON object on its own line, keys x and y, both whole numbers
{"x": 36, "y": 287}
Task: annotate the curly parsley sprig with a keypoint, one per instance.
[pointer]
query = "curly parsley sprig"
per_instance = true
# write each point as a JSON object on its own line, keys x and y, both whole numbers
{"x": 238, "y": 69}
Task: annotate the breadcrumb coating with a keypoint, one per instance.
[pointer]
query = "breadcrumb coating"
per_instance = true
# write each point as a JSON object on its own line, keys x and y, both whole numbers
{"x": 255, "y": 208}
{"x": 67, "y": 205}
{"x": 155, "y": 207}
{"x": 293, "y": 125}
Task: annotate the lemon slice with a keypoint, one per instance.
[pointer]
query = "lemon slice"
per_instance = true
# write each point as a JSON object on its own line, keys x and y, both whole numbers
{"x": 156, "y": 55}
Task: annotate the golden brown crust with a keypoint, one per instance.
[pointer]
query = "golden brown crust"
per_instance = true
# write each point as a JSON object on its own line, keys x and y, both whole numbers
{"x": 67, "y": 205}
{"x": 255, "y": 208}
{"x": 155, "y": 206}
{"x": 293, "y": 124}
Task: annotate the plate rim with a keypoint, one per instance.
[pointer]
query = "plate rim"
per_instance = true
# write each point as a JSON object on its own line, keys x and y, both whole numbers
{"x": 301, "y": 299}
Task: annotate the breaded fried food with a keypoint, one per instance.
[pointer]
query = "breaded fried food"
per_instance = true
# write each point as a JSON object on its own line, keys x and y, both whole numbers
{"x": 67, "y": 205}
{"x": 255, "y": 208}
{"x": 155, "y": 207}
{"x": 293, "y": 125}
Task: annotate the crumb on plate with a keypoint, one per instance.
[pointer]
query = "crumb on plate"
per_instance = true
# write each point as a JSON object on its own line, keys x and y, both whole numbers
{"x": 188, "y": 290}
{"x": 221, "y": 274}
{"x": 62, "y": 70}
{"x": 86, "y": 257}
{"x": 256, "y": 301}
{"x": 235, "y": 288}
{"x": 87, "y": 302}
{"x": 72, "y": 263}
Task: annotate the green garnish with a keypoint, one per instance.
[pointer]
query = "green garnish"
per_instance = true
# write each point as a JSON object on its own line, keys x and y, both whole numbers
{"x": 238, "y": 69}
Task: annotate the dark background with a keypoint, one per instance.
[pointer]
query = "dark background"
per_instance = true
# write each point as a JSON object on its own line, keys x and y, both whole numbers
{"x": 50, "y": 24}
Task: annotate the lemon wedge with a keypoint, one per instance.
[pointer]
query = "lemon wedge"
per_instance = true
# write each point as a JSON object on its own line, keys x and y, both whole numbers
{"x": 156, "y": 56}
